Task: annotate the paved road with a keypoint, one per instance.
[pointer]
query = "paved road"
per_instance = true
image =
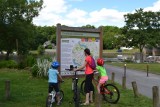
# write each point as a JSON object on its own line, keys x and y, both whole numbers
{"x": 144, "y": 83}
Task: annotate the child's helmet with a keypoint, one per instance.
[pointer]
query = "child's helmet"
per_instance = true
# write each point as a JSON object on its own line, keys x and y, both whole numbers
{"x": 100, "y": 62}
{"x": 55, "y": 64}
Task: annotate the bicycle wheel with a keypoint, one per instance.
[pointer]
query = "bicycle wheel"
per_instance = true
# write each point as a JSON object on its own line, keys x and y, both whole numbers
{"x": 48, "y": 101}
{"x": 83, "y": 89}
{"x": 61, "y": 95}
{"x": 76, "y": 97}
{"x": 110, "y": 93}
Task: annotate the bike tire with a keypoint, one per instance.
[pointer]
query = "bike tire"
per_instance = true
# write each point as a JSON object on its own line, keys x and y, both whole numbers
{"x": 113, "y": 95}
{"x": 77, "y": 97}
{"x": 82, "y": 89}
{"x": 48, "y": 101}
{"x": 61, "y": 95}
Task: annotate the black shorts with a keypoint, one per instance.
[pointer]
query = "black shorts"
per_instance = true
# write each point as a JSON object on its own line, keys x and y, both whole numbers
{"x": 53, "y": 86}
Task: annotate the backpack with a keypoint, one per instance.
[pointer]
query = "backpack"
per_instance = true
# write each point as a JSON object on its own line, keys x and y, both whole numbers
{"x": 92, "y": 64}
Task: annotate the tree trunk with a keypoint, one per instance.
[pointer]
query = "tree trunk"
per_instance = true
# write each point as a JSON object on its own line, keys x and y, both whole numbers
{"x": 7, "y": 55}
{"x": 141, "y": 54}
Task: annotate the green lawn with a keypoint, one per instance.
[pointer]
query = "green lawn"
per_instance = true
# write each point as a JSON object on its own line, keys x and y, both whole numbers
{"x": 31, "y": 92}
{"x": 153, "y": 67}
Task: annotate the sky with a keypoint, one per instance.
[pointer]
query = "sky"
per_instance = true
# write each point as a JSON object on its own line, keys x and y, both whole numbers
{"x": 77, "y": 13}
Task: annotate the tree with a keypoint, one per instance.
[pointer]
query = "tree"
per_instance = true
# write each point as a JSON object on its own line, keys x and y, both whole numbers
{"x": 88, "y": 26}
{"x": 139, "y": 29}
{"x": 110, "y": 34}
{"x": 43, "y": 34}
{"x": 16, "y": 24}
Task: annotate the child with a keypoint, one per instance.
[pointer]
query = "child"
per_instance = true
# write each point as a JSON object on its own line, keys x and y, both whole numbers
{"x": 103, "y": 73}
{"x": 53, "y": 79}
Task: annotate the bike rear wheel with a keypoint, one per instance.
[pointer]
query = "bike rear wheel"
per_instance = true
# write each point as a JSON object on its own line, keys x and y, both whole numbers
{"x": 48, "y": 101}
{"x": 61, "y": 95}
{"x": 110, "y": 93}
{"x": 82, "y": 89}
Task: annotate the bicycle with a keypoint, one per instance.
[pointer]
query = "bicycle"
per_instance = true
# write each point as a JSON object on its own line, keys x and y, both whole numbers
{"x": 51, "y": 98}
{"x": 75, "y": 88}
{"x": 109, "y": 91}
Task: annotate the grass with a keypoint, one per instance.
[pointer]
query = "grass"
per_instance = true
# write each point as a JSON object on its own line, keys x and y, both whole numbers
{"x": 153, "y": 67}
{"x": 31, "y": 92}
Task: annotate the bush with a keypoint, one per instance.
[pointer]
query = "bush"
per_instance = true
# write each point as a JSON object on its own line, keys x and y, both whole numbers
{"x": 30, "y": 60}
{"x": 41, "y": 49}
{"x": 49, "y": 47}
{"x": 21, "y": 64}
{"x": 8, "y": 64}
{"x": 34, "y": 70}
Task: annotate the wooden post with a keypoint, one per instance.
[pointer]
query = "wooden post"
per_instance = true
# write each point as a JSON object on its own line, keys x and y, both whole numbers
{"x": 98, "y": 100}
{"x": 124, "y": 82}
{"x": 124, "y": 70}
{"x": 7, "y": 89}
{"x": 113, "y": 76}
{"x": 156, "y": 102}
{"x": 147, "y": 70}
{"x": 135, "y": 89}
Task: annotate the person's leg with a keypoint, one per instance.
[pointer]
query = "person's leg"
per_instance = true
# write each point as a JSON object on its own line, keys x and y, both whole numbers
{"x": 98, "y": 88}
{"x": 87, "y": 98}
{"x": 91, "y": 96}
{"x": 56, "y": 88}
{"x": 50, "y": 88}
{"x": 91, "y": 88}
{"x": 87, "y": 90}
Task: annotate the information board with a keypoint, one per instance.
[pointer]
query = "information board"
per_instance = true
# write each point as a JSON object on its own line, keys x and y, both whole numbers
{"x": 71, "y": 45}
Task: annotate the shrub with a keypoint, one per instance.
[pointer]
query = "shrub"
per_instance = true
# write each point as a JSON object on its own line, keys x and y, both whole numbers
{"x": 41, "y": 49}
{"x": 34, "y": 70}
{"x": 30, "y": 60}
{"x": 8, "y": 64}
{"x": 49, "y": 47}
{"x": 21, "y": 64}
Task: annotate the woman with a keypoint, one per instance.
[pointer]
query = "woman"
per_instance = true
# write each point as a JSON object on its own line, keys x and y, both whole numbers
{"x": 89, "y": 75}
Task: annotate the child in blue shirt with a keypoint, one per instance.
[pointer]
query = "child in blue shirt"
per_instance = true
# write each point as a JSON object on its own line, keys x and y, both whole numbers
{"x": 53, "y": 75}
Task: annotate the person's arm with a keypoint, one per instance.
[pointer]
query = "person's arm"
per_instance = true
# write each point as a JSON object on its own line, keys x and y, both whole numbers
{"x": 82, "y": 67}
{"x": 60, "y": 77}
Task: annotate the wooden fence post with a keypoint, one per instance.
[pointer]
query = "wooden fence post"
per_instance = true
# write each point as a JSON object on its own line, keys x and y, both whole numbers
{"x": 135, "y": 89}
{"x": 7, "y": 89}
{"x": 156, "y": 102}
{"x": 113, "y": 76}
{"x": 124, "y": 82}
{"x": 98, "y": 100}
{"x": 147, "y": 70}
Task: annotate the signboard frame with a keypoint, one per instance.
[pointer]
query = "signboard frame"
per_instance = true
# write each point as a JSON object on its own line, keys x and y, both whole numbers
{"x": 64, "y": 29}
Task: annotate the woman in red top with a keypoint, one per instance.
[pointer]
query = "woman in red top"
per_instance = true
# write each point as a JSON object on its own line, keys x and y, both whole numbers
{"x": 89, "y": 75}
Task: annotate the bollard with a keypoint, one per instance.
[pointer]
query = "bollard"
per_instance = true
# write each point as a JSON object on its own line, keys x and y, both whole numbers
{"x": 155, "y": 91}
{"x": 135, "y": 89}
{"x": 124, "y": 70}
{"x": 7, "y": 89}
{"x": 147, "y": 70}
{"x": 124, "y": 82}
{"x": 113, "y": 76}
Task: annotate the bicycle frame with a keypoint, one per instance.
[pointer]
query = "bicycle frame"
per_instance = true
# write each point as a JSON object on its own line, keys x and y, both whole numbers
{"x": 102, "y": 89}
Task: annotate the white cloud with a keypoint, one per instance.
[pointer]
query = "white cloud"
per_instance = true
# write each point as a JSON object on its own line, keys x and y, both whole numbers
{"x": 59, "y": 11}
{"x": 154, "y": 8}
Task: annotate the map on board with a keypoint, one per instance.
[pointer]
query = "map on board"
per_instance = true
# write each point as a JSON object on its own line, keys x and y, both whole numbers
{"x": 72, "y": 51}
{"x": 78, "y": 52}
